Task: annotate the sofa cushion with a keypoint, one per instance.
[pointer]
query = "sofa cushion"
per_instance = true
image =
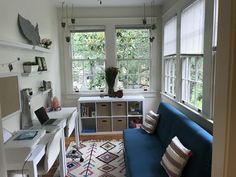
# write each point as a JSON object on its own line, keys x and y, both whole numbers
{"x": 150, "y": 122}
{"x": 143, "y": 154}
{"x": 175, "y": 158}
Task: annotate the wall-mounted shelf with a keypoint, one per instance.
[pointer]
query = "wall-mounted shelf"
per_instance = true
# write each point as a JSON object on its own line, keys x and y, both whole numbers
{"x": 33, "y": 73}
{"x": 23, "y": 46}
{"x": 40, "y": 93}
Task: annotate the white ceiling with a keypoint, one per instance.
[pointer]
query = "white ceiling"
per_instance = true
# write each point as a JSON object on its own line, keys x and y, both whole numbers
{"x": 108, "y": 3}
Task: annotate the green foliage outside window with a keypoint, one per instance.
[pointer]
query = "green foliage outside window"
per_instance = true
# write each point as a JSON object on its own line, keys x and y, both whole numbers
{"x": 133, "y": 55}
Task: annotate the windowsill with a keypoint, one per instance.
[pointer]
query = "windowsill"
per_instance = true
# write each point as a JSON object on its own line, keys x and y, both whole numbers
{"x": 188, "y": 108}
{"x": 146, "y": 94}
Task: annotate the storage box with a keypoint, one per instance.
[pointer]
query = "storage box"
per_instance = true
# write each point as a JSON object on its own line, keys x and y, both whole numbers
{"x": 119, "y": 123}
{"x": 119, "y": 108}
{"x": 103, "y": 124}
{"x": 104, "y": 109}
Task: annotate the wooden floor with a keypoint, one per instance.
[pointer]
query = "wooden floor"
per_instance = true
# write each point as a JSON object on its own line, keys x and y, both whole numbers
{"x": 83, "y": 138}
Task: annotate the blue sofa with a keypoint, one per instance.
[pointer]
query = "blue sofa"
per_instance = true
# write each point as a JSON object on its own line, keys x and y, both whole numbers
{"x": 143, "y": 152}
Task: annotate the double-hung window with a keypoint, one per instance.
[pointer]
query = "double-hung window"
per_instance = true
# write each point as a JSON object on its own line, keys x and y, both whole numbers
{"x": 88, "y": 59}
{"x": 170, "y": 34}
{"x": 191, "y": 53}
{"x": 133, "y": 53}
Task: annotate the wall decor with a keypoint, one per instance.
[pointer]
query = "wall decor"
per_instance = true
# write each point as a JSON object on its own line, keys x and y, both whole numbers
{"x": 39, "y": 62}
{"x": 44, "y": 64}
{"x": 30, "y": 32}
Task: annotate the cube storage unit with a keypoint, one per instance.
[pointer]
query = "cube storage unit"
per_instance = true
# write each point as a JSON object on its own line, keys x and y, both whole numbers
{"x": 106, "y": 114}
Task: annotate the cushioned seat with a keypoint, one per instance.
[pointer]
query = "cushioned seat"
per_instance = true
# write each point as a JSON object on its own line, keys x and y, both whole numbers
{"x": 143, "y": 151}
{"x": 143, "y": 157}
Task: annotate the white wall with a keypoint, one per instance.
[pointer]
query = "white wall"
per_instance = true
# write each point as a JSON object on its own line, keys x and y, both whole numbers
{"x": 44, "y": 13}
{"x": 109, "y": 17}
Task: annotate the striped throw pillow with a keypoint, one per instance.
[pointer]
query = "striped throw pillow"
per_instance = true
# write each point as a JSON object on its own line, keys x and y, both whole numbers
{"x": 150, "y": 122}
{"x": 175, "y": 158}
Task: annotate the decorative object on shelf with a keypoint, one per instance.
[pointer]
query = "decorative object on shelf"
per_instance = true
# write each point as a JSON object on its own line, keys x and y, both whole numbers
{"x": 39, "y": 62}
{"x": 30, "y": 32}
{"x": 30, "y": 67}
{"x": 47, "y": 85}
{"x": 42, "y": 63}
{"x": 46, "y": 43}
{"x": 27, "y": 91}
{"x": 9, "y": 64}
{"x": 111, "y": 73}
{"x": 56, "y": 104}
{"x": 119, "y": 93}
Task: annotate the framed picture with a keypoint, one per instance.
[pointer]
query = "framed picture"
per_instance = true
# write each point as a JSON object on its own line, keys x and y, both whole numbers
{"x": 44, "y": 64}
{"x": 39, "y": 62}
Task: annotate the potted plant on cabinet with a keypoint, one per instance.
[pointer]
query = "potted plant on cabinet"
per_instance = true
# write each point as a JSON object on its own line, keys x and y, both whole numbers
{"x": 30, "y": 67}
{"x": 111, "y": 73}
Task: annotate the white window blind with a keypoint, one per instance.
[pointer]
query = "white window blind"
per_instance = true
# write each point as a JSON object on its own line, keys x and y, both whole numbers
{"x": 170, "y": 30}
{"x": 192, "y": 28}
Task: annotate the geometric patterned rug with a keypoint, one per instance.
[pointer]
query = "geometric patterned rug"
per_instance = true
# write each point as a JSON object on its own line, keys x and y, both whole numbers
{"x": 101, "y": 159}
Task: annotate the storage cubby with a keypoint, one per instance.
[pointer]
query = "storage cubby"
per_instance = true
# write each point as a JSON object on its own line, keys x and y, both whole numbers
{"x": 106, "y": 114}
{"x": 87, "y": 110}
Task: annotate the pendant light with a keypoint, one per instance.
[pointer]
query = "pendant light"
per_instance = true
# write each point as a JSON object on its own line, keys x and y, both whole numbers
{"x": 144, "y": 15}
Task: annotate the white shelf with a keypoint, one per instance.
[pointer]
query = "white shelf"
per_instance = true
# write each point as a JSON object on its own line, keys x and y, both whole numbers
{"x": 33, "y": 73}
{"x": 23, "y": 46}
{"x": 40, "y": 93}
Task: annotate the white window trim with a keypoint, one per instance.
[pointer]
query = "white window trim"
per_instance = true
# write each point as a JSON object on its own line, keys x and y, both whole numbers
{"x": 110, "y": 24}
{"x": 176, "y": 8}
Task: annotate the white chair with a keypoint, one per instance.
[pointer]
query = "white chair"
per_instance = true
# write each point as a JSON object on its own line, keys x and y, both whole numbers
{"x": 52, "y": 141}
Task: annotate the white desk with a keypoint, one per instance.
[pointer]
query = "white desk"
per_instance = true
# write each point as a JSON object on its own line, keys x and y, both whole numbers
{"x": 62, "y": 156}
{"x": 34, "y": 156}
{"x": 71, "y": 114}
{"x": 17, "y": 152}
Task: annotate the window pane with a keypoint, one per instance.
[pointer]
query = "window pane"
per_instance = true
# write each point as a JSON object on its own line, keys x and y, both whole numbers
{"x": 170, "y": 74}
{"x": 192, "y": 80}
{"x": 88, "y": 60}
{"x": 88, "y": 45}
{"x": 192, "y": 28}
{"x": 170, "y": 31}
{"x": 133, "y": 58}
{"x": 132, "y": 43}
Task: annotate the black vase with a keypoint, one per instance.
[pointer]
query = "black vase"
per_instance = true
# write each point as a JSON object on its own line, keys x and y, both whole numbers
{"x": 111, "y": 92}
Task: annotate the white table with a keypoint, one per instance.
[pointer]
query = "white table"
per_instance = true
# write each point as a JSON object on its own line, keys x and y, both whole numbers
{"x": 24, "y": 152}
{"x": 62, "y": 156}
{"x": 71, "y": 114}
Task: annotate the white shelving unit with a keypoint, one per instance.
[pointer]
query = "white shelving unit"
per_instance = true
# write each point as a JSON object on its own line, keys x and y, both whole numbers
{"x": 23, "y": 46}
{"x": 102, "y": 115}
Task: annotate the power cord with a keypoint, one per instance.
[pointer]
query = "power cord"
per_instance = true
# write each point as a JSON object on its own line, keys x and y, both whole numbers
{"x": 22, "y": 171}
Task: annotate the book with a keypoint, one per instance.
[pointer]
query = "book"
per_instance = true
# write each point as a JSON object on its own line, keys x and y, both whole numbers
{"x": 26, "y": 135}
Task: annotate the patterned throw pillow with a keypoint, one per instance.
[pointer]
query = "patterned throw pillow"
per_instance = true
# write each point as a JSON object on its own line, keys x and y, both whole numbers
{"x": 150, "y": 122}
{"x": 175, "y": 158}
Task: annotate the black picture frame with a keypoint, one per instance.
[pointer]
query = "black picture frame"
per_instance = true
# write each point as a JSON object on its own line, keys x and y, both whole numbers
{"x": 44, "y": 64}
{"x": 39, "y": 62}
